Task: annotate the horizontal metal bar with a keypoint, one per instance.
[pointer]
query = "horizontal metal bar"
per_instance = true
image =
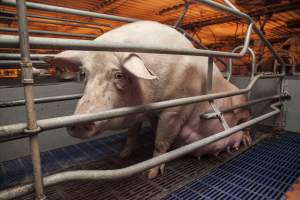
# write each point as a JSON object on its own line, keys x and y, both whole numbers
{"x": 54, "y": 43}
{"x": 136, "y": 168}
{"x": 15, "y": 130}
{"x": 61, "y": 19}
{"x": 211, "y": 115}
{"x": 17, "y": 64}
{"x": 15, "y": 30}
{"x": 21, "y": 102}
{"x": 17, "y": 56}
{"x": 56, "y": 23}
{"x": 56, "y": 9}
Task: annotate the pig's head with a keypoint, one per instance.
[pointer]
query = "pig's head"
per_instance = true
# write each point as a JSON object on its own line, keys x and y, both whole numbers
{"x": 112, "y": 80}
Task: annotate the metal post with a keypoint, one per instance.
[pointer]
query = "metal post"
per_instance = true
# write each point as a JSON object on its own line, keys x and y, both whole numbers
{"x": 209, "y": 74}
{"x": 27, "y": 78}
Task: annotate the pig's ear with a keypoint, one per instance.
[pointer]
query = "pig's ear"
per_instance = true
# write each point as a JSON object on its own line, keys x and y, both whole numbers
{"x": 48, "y": 59}
{"x": 62, "y": 61}
{"x": 135, "y": 65}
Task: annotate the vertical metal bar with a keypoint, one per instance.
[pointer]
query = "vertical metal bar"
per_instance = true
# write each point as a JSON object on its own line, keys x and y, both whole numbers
{"x": 27, "y": 79}
{"x": 210, "y": 74}
{"x": 209, "y": 90}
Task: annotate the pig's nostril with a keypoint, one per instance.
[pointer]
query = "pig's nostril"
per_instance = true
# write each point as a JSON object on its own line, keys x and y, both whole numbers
{"x": 87, "y": 128}
{"x": 72, "y": 128}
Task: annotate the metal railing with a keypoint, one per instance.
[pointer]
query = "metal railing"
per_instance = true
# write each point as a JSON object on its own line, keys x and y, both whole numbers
{"x": 33, "y": 126}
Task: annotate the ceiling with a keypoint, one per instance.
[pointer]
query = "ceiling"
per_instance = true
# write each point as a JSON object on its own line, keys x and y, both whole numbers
{"x": 280, "y": 18}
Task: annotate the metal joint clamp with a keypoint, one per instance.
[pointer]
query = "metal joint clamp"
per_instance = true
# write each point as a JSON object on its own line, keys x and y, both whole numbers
{"x": 27, "y": 73}
{"x": 32, "y": 131}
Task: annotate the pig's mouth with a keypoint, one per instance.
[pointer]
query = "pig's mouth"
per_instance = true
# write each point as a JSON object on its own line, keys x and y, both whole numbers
{"x": 87, "y": 130}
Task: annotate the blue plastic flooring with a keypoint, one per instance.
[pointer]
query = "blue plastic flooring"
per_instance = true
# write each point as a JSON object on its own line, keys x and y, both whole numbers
{"x": 266, "y": 171}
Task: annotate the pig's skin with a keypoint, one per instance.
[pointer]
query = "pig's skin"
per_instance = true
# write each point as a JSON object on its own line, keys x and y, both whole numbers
{"x": 149, "y": 78}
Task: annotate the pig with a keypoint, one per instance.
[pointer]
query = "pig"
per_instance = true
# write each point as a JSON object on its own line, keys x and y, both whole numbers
{"x": 118, "y": 79}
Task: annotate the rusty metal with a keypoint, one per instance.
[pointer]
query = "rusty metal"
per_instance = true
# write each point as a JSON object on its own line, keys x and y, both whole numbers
{"x": 27, "y": 75}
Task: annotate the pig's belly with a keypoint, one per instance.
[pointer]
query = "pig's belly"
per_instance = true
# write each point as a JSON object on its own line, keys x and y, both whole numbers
{"x": 192, "y": 134}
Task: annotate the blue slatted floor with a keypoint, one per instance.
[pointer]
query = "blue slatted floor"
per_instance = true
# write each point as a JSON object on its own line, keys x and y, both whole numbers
{"x": 19, "y": 170}
{"x": 266, "y": 171}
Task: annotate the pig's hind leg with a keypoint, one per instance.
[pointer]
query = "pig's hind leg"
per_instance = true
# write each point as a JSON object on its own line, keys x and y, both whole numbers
{"x": 131, "y": 140}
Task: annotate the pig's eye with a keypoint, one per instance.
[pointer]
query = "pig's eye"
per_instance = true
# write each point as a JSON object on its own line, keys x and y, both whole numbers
{"x": 118, "y": 75}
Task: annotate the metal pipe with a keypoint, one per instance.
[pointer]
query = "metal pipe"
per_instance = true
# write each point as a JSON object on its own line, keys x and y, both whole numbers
{"x": 21, "y": 102}
{"x": 56, "y": 23}
{"x": 56, "y": 9}
{"x": 180, "y": 18}
{"x": 210, "y": 115}
{"x": 188, "y": 36}
{"x": 54, "y": 43}
{"x": 17, "y": 63}
{"x": 15, "y": 30}
{"x": 15, "y": 130}
{"x": 212, "y": 4}
{"x": 61, "y": 19}
{"x": 261, "y": 36}
{"x": 234, "y": 11}
{"x": 27, "y": 79}
{"x": 253, "y": 65}
{"x": 139, "y": 167}
{"x": 14, "y": 56}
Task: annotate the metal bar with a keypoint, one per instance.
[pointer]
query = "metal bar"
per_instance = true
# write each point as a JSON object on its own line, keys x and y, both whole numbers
{"x": 139, "y": 167}
{"x": 273, "y": 9}
{"x": 56, "y": 23}
{"x": 56, "y": 9}
{"x": 61, "y": 19}
{"x": 27, "y": 76}
{"x": 213, "y": 115}
{"x": 21, "y": 102}
{"x": 188, "y": 36}
{"x": 15, "y": 30}
{"x": 253, "y": 66}
{"x": 234, "y": 11}
{"x": 210, "y": 68}
{"x": 16, "y": 62}
{"x": 54, "y": 43}
{"x": 13, "y": 56}
{"x": 15, "y": 130}
{"x": 219, "y": 115}
{"x": 180, "y": 18}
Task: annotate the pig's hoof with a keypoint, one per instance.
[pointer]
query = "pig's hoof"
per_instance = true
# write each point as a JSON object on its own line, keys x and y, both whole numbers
{"x": 229, "y": 150}
{"x": 154, "y": 172}
{"x": 247, "y": 139}
{"x": 125, "y": 153}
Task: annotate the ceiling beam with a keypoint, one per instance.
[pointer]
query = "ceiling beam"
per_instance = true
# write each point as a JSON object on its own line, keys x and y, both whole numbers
{"x": 293, "y": 24}
{"x": 278, "y": 8}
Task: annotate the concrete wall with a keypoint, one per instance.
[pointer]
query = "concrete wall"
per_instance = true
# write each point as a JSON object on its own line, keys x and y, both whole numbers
{"x": 49, "y": 139}
{"x": 57, "y": 138}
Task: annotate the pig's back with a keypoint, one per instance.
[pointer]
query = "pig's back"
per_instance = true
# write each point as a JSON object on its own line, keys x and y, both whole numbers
{"x": 147, "y": 33}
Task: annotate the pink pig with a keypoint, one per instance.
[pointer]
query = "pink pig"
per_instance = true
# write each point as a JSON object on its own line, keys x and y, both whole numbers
{"x": 118, "y": 79}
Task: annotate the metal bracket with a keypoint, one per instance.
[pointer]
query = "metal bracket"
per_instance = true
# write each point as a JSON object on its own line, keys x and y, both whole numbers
{"x": 27, "y": 73}
{"x": 32, "y": 131}
{"x": 219, "y": 115}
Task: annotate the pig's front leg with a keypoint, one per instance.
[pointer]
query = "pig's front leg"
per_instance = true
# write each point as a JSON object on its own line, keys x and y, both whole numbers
{"x": 131, "y": 140}
{"x": 169, "y": 125}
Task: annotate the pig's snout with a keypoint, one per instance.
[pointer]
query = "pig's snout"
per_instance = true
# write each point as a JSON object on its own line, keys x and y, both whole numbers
{"x": 82, "y": 131}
